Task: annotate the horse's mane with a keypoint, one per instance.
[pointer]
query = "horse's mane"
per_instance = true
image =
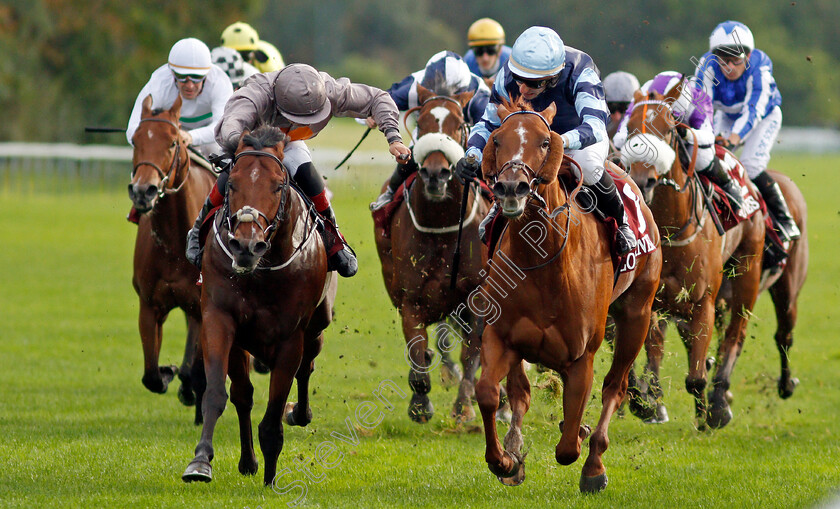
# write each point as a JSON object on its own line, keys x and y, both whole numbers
{"x": 518, "y": 105}
{"x": 264, "y": 136}
{"x": 157, "y": 111}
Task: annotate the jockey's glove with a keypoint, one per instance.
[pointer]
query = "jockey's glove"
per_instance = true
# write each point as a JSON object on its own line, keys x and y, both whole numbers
{"x": 467, "y": 169}
{"x": 725, "y": 143}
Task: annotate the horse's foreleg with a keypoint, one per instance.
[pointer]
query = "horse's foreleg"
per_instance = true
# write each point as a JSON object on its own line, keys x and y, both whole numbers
{"x": 242, "y": 397}
{"x": 420, "y": 408}
{"x": 744, "y": 295}
{"x": 495, "y": 364}
{"x": 299, "y": 414}
{"x": 697, "y": 335}
{"x": 155, "y": 378}
{"x": 785, "y": 302}
{"x": 577, "y": 384}
{"x": 450, "y": 372}
{"x": 286, "y": 364}
{"x": 216, "y": 342}
{"x": 519, "y": 395}
{"x": 470, "y": 349}
{"x": 186, "y": 392}
{"x": 645, "y": 393}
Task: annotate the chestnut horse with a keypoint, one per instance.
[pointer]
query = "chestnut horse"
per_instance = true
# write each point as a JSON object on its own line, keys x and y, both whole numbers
{"x": 556, "y": 312}
{"x": 695, "y": 258}
{"x": 266, "y": 292}
{"x": 168, "y": 191}
{"x": 417, "y": 257}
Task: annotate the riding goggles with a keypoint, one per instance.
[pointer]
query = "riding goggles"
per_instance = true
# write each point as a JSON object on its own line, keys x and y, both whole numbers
{"x": 532, "y": 84}
{"x": 485, "y": 50}
{"x": 183, "y": 78}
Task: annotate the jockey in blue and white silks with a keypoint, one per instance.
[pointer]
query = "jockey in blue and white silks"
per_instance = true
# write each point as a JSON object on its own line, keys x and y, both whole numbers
{"x": 747, "y": 103}
{"x": 693, "y": 108}
{"x": 542, "y": 71}
{"x": 445, "y": 74}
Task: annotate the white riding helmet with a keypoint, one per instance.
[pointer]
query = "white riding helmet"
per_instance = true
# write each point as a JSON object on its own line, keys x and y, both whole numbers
{"x": 537, "y": 53}
{"x": 619, "y": 87}
{"x": 190, "y": 56}
{"x": 731, "y": 38}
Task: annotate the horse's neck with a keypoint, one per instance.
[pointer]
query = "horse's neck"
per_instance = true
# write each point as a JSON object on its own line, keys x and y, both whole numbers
{"x": 176, "y": 212}
{"x": 435, "y": 214}
{"x": 669, "y": 207}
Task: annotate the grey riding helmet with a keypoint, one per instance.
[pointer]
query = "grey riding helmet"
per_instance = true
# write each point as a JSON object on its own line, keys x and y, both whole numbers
{"x": 300, "y": 94}
{"x": 619, "y": 87}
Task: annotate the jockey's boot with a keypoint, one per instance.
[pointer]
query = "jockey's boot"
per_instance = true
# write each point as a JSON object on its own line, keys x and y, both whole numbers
{"x": 194, "y": 249}
{"x": 777, "y": 206}
{"x": 401, "y": 173}
{"x": 487, "y": 221}
{"x": 340, "y": 257}
{"x": 609, "y": 203}
{"x": 718, "y": 174}
{"x": 133, "y": 216}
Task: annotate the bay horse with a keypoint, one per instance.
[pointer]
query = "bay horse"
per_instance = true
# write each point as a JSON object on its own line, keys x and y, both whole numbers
{"x": 417, "y": 256}
{"x": 267, "y": 292}
{"x": 556, "y": 312}
{"x": 696, "y": 262}
{"x": 168, "y": 191}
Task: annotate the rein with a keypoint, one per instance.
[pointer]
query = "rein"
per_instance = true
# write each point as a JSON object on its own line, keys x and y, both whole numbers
{"x": 164, "y": 177}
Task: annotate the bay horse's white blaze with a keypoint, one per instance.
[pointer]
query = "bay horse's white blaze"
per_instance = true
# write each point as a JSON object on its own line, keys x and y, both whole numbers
{"x": 440, "y": 113}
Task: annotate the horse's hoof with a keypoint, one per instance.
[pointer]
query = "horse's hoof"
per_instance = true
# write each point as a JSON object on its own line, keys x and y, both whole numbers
{"x": 517, "y": 476}
{"x": 198, "y": 470}
{"x": 292, "y": 417}
{"x": 159, "y": 382}
{"x": 248, "y": 466}
{"x": 593, "y": 484}
{"x": 463, "y": 412}
{"x": 420, "y": 409}
{"x": 186, "y": 396}
{"x": 661, "y": 416}
{"x": 719, "y": 416}
{"x": 450, "y": 374}
{"x": 786, "y": 388}
{"x": 643, "y": 406}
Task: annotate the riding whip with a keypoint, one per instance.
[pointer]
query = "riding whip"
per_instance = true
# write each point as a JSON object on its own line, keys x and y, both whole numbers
{"x": 471, "y": 159}
{"x": 353, "y": 150}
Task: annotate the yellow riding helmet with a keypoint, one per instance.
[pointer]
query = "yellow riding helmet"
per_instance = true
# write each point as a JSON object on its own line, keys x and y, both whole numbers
{"x": 240, "y": 36}
{"x": 485, "y": 32}
{"x": 267, "y": 58}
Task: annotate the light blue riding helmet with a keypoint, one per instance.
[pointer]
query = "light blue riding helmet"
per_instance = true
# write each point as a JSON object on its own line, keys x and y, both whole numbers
{"x": 537, "y": 53}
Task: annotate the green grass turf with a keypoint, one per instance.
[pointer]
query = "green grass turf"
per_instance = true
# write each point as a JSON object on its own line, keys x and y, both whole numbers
{"x": 77, "y": 428}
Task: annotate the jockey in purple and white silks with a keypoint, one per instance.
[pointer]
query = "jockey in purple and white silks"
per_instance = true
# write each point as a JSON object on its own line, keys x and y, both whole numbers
{"x": 693, "y": 108}
{"x": 446, "y": 74}
{"x": 747, "y": 103}
{"x": 542, "y": 71}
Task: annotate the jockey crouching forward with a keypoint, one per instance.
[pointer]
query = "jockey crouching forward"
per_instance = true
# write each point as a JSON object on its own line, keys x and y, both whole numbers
{"x": 542, "y": 70}
{"x": 447, "y": 74}
{"x": 747, "y": 103}
{"x": 694, "y": 108}
{"x": 204, "y": 89}
{"x": 300, "y": 101}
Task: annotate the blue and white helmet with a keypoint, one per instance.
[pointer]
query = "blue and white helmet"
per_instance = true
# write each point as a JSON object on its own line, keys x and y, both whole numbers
{"x": 731, "y": 38}
{"x": 446, "y": 73}
{"x": 538, "y": 53}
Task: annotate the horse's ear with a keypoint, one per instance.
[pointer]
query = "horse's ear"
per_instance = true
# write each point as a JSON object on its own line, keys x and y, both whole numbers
{"x": 242, "y": 136}
{"x": 549, "y": 112}
{"x": 423, "y": 94}
{"x": 548, "y": 172}
{"x": 465, "y": 97}
{"x": 503, "y": 110}
{"x": 638, "y": 96}
{"x": 675, "y": 92}
{"x": 488, "y": 158}
{"x": 147, "y": 106}
{"x": 175, "y": 110}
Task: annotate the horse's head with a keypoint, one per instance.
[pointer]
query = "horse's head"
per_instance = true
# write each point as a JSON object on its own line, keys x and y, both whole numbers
{"x": 257, "y": 196}
{"x": 520, "y": 154}
{"x": 442, "y": 134}
{"x": 160, "y": 159}
{"x": 647, "y": 154}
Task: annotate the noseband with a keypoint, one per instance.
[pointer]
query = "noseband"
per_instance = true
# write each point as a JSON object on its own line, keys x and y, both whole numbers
{"x": 248, "y": 214}
{"x": 173, "y": 166}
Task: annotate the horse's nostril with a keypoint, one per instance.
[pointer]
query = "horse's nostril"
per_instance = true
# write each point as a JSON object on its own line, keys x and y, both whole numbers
{"x": 522, "y": 189}
{"x": 650, "y": 183}
{"x": 151, "y": 192}
{"x": 499, "y": 189}
{"x": 259, "y": 248}
{"x": 131, "y": 193}
{"x": 235, "y": 246}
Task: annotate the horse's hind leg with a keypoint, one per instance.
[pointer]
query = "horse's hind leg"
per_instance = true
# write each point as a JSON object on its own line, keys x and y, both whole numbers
{"x": 242, "y": 397}
{"x": 645, "y": 393}
{"x": 785, "y": 301}
{"x": 450, "y": 372}
{"x": 697, "y": 335}
{"x": 286, "y": 364}
{"x": 470, "y": 350}
{"x": 186, "y": 392}
{"x": 519, "y": 395}
{"x": 155, "y": 378}
{"x": 299, "y": 414}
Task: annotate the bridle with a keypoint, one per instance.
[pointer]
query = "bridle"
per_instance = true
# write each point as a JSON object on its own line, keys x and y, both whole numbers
{"x": 173, "y": 166}
{"x": 463, "y": 127}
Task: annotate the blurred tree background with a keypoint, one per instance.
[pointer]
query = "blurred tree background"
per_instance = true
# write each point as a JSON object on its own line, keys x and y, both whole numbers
{"x": 70, "y": 63}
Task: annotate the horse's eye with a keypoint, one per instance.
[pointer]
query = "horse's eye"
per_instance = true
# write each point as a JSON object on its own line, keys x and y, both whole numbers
{"x": 495, "y": 141}
{"x": 546, "y": 143}
{"x": 174, "y": 143}
{"x": 278, "y": 188}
